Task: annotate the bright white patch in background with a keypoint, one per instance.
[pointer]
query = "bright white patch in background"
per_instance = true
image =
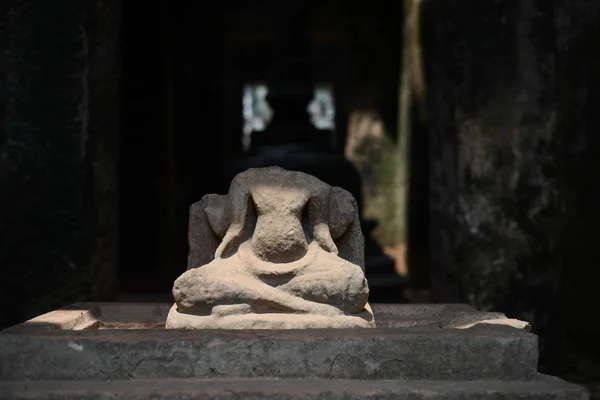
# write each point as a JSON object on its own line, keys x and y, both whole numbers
{"x": 256, "y": 110}
{"x": 322, "y": 109}
{"x": 258, "y": 114}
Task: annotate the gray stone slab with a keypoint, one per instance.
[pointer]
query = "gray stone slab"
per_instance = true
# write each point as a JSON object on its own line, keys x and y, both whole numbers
{"x": 177, "y": 389}
{"x": 84, "y": 316}
{"x": 442, "y": 316}
{"x": 48, "y": 349}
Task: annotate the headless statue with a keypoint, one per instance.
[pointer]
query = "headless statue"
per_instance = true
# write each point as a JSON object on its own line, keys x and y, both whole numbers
{"x": 283, "y": 250}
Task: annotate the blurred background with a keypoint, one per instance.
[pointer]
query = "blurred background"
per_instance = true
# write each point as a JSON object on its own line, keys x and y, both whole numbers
{"x": 465, "y": 129}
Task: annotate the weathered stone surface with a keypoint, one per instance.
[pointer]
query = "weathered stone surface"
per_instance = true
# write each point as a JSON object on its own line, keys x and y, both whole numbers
{"x": 411, "y": 346}
{"x": 282, "y": 250}
{"x": 514, "y": 97}
{"x": 444, "y": 316}
{"x": 543, "y": 388}
{"x": 417, "y": 351}
{"x": 495, "y": 213}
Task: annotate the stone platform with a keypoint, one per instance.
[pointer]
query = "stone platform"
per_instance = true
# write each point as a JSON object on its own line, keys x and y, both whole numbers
{"x": 121, "y": 350}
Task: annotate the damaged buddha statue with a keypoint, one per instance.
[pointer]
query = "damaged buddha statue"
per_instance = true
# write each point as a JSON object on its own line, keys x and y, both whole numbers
{"x": 282, "y": 250}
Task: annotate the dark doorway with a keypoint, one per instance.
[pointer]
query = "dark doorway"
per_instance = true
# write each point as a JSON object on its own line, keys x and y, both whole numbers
{"x": 171, "y": 134}
{"x": 185, "y": 66}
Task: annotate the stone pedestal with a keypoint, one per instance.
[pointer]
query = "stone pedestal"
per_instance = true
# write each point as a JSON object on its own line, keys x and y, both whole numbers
{"x": 121, "y": 350}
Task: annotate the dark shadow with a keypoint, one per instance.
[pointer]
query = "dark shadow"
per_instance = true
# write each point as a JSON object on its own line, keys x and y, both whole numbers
{"x": 181, "y": 131}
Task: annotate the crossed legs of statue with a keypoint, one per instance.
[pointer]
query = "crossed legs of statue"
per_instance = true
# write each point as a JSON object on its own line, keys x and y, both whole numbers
{"x": 319, "y": 284}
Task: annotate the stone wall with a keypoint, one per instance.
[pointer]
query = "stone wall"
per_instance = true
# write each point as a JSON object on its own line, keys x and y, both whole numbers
{"x": 58, "y": 147}
{"x": 512, "y": 92}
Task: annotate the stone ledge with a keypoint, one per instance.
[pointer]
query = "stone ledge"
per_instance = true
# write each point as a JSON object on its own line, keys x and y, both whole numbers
{"x": 543, "y": 388}
{"x": 417, "y": 342}
{"x": 84, "y": 316}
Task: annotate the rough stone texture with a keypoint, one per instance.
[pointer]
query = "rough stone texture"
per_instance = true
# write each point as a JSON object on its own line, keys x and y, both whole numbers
{"x": 59, "y": 110}
{"x": 445, "y": 351}
{"x": 477, "y": 353}
{"x": 282, "y": 250}
{"x": 514, "y": 88}
{"x": 414, "y": 342}
{"x": 543, "y": 388}
{"x": 494, "y": 208}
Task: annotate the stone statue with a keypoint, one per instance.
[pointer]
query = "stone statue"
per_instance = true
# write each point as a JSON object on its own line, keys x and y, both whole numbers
{"x": 282, "y": 250}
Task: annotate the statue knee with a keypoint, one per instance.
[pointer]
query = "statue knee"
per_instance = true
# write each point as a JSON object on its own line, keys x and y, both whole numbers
{"x": 342, "y": 285}
{"x": 352, "y": 286}
{"x": 200, "y": 289}
{"x": 356, "y": 295}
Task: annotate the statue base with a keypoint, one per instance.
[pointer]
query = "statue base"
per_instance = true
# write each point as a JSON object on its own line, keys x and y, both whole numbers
{"x": 121, "y": 350}
{"x": 222, "y": 320}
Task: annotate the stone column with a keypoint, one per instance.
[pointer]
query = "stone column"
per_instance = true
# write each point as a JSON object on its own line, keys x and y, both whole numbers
{"x": 58, "y": 153}
{"x": 496, "y": 202}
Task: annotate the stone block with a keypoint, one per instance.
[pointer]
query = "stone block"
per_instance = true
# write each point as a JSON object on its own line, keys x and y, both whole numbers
{"x": 103, "y": 341}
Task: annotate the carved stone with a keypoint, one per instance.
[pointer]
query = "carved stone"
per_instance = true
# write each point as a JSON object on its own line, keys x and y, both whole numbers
{"x": 282, "y": 250}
